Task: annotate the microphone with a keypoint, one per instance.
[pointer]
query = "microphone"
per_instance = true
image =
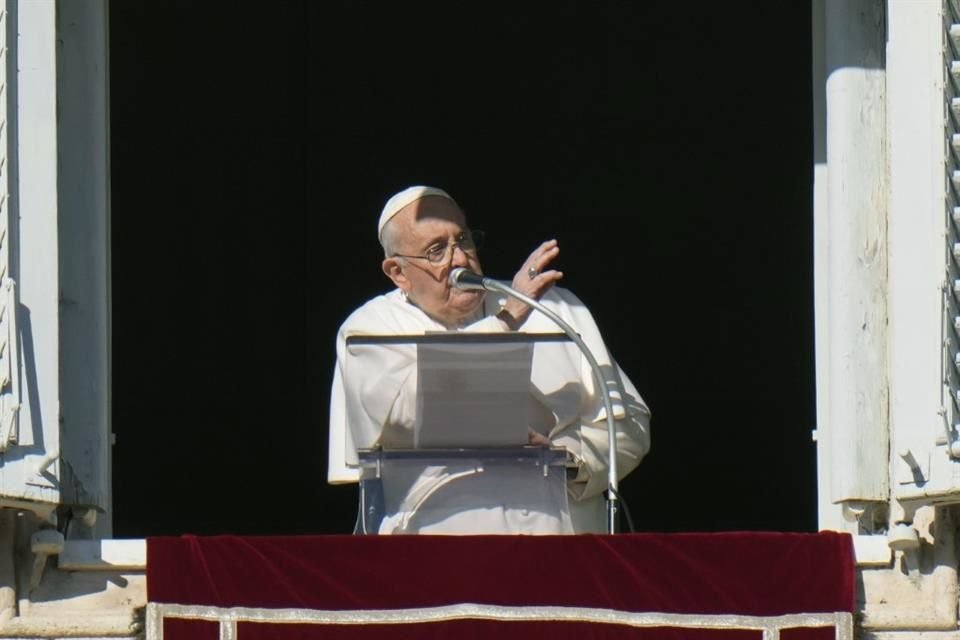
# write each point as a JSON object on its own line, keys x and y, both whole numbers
{"x": 461, "y": 278}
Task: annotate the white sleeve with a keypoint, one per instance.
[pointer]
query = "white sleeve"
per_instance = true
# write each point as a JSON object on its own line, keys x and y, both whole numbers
{"x": 489, "y": 324}
{"x": 587, "y": 439}
{"x": 632, "y": 425}
{"x": 340, "y": 440}
{"x": 369, "y": 385}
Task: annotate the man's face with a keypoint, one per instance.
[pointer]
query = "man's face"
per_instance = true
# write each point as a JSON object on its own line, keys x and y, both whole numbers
{"x": 424, "y": 224}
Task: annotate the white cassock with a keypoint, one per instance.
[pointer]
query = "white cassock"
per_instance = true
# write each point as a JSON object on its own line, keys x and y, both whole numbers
{"x": 566, "y": 408}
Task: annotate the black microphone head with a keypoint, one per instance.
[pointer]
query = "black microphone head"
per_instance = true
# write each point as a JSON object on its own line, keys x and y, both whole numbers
{"x": 462, "y": 278}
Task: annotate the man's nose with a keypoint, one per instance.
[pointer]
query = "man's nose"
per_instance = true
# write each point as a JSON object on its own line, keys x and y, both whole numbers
{"x": 460, "y": 258}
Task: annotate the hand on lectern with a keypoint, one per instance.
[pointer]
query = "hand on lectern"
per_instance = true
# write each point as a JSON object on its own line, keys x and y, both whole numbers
{"x": 537, "y": 439}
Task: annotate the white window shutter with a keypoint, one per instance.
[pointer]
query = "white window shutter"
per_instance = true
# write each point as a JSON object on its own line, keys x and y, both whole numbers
{"x": 924, "y": 70}
{"x": 951, "y": 289}
{"x": 29, "y": 431}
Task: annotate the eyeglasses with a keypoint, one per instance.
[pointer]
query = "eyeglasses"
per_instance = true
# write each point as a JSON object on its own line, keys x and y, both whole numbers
{"x": 468, "y": 241}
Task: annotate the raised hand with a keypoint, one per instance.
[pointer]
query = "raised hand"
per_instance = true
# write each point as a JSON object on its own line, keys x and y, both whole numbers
{"x": 533, "y": 280}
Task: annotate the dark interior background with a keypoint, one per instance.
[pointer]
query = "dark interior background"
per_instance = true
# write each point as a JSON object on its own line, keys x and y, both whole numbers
{"x": 666, "y": 145}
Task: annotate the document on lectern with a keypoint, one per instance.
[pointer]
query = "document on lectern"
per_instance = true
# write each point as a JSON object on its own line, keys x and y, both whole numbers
{"x": 472, "y": 394}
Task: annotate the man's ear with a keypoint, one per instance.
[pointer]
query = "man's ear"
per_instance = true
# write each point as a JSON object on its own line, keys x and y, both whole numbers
{"x": 394, "y": 270}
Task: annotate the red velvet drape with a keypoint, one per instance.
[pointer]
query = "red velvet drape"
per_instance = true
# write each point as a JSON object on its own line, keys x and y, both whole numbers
{"x": 716, "y": 573}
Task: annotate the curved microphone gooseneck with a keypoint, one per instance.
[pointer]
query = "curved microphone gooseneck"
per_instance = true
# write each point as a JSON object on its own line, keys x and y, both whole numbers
{"x": 462, "y": 278}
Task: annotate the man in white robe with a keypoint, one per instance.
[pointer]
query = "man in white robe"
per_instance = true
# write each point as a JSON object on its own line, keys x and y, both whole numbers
{"x": 424, "y": 235}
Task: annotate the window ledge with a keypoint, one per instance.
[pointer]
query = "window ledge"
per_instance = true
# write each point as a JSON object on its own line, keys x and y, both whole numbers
{"x": 104, "y": 555}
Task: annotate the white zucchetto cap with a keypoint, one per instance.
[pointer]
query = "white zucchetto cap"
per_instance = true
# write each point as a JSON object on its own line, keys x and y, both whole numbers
{"x": 399, "y": 200}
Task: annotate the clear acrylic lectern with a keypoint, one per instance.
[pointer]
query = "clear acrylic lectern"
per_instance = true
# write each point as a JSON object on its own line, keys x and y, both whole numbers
{"x": 454, "y": 457}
